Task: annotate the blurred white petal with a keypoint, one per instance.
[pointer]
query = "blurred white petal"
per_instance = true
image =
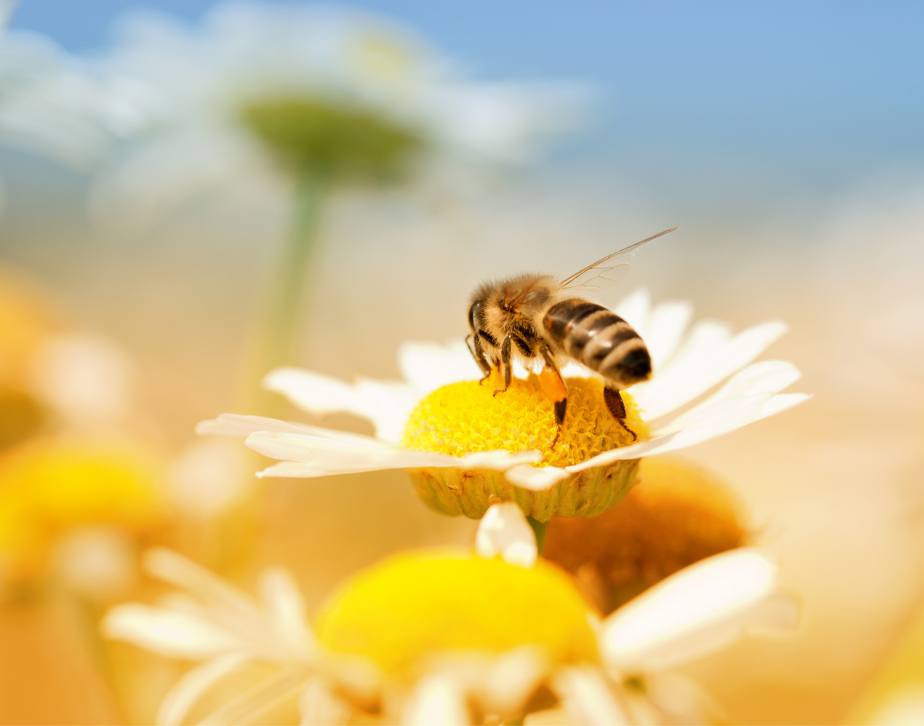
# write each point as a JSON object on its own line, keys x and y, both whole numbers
{"x": 98, "y": 562}
{"x": 194, "y": 684}
{"x": 511, "y": 678}
{"x": 171, "y": 634}
{"x": 587, "y": 697}
{"x": 437, "y": 700}
{"x": 318, "y": 705}
{"x": 694, "y": 612}
{"x": 207, "y": 477}
{"x": 504, "y": 531}
{"x": 87, "y": 379}
{"x": 285, "y": 607}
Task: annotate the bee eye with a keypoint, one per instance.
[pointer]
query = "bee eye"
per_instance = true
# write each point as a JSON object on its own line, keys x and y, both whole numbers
{"x": 472, "y": 313}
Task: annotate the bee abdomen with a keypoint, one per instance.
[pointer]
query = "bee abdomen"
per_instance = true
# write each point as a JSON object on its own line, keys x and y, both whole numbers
{"x": 599, "y": 339}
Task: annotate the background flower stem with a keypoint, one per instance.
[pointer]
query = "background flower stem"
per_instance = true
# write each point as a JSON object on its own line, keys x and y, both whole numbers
{"x": 283, "y": 306}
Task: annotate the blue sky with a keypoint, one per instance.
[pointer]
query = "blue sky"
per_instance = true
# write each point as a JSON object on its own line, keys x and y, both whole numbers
{"x": 814, "y": 95}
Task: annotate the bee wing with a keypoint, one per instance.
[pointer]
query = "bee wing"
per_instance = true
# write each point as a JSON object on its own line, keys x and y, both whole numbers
{"x": 609, "y": 270}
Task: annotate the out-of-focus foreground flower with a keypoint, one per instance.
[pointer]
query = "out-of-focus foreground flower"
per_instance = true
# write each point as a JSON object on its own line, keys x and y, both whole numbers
{"x": 443, "y": 636}
{"x": 79, "y": 506}
{"x": 77, "y": 500}
{"x": 464, "y": 446}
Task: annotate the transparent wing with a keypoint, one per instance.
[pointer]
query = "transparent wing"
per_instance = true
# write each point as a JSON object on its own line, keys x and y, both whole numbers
{"x": 609, "y": 270}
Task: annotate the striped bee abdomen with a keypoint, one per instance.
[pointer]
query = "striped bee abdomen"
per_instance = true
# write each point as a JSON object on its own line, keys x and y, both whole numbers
{"x": 599, "y": 339}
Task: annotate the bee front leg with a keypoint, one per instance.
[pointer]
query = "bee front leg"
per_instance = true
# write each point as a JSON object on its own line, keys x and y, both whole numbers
{"x": 554, "y": 387}
{"x": 474, "y": 346}
{"x": 505, "y": 367}
{"x": 617, "y": 409}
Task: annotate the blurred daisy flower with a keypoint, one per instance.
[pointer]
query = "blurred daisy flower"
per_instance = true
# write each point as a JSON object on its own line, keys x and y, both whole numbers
{"x": 678, "y": 514}
{"x": 78, "y": 507}
{"x": 262, "y": 89}
{"x": 51, "y": 376}
{"x": 448, "y": 637}
{"x": 464, "y": 447}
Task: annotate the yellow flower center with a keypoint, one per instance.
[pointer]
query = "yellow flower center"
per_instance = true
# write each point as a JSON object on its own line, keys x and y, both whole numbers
{"x": 419, "y": 605}
{"x": 464, "y": 418}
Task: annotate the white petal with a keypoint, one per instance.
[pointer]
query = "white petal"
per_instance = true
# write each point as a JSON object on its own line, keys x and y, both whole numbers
{"x": 497, "y": 459}
{"x": 171, "y": 634}
{"x": 730, "y": 416}
{"x": 253, "y": 702}
{"x": 437, "y": 700}
{"x": 193, "y": 684}
{"x": 428, "y": 366}
{"x": 634, "y": 310}
{"x": 503, "y": 531}
{"x": 386, "y": 405}
{"x": 769, "y": 376}
{"x": 319, "y": 706}
{"x": 187, "y": 575}
{"x": 322, "y": 456}
{"x": 233, "y": 424}
{"x": 511, "y": 678}
{"x": 694, "y": 612}
{"x": 285, "y": 607}
{"x": 587, "y": 697}
{"x": 665, "y": 329}
{"x": 536, "y": 478}
{"x": 709, "y": 356}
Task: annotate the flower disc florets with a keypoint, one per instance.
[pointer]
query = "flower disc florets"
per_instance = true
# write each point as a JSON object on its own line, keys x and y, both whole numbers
{"x": 465, "y": 418}
{"x": 412, "y": 607}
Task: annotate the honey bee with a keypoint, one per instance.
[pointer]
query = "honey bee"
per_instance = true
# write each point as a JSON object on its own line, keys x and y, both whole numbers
{"x": 541, "y": 320}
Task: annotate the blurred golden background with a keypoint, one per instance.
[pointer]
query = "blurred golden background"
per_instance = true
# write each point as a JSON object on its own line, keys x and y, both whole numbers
{"x": 784, "y": 140}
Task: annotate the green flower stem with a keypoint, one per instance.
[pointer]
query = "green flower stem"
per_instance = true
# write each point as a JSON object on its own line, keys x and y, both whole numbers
{"x": 539, "y": 529}
{"x": 283, "y": 306}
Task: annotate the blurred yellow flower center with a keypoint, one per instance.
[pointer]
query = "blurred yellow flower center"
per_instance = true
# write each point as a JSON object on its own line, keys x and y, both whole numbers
{"x": 419, "y": 605}
{"x": 48, "y": 488}
{"x": 677, "y": 515}
{"x": 464, "y": 418}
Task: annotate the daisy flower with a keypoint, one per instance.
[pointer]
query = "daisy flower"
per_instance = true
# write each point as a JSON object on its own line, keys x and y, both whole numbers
{"x": 465, "y": 448}
{"x": 448, "y": 637}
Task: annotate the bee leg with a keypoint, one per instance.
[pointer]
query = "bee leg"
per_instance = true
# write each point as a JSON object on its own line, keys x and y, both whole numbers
{"x": 617, "y": 409}
{"x": 474, "y": 347}
{"x": 553, "y": 386}
{"x": 505, "y": 366}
